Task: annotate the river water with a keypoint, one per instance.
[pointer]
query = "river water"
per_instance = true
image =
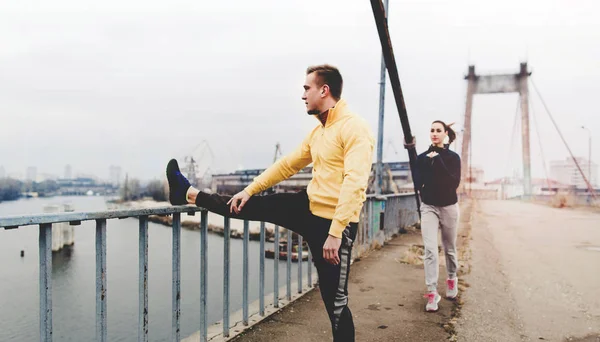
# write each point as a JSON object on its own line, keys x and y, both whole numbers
{"x": 74, "y": 272}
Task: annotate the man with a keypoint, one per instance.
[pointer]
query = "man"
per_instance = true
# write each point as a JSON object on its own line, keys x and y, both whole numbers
{"x": 326, "y": 214}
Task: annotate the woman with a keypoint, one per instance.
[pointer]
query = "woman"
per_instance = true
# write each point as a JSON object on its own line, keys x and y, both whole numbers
{"x": 437, "y": 178}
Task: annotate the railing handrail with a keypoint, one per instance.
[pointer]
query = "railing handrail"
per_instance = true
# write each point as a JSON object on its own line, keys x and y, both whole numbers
{"x": 12, "y": 222}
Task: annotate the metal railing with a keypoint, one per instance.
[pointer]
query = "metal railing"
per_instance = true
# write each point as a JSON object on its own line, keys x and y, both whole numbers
{"x": 45, "y": 222}
{"x": 399, "y": 211}
{"x": 384, "y": 216}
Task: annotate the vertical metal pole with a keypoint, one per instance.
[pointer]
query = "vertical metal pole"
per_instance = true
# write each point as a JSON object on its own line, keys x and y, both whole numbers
{"x": 379, "y": 165}
{"x": 289, "y": 265}
{"x": 363, "y": 226}
{"x": 203, "y": 275}
{"x": 45, "y": 244}
{"x": 226, "y": 255}
{"x": 299, "y": 263}
{"x": 466, "y": 139}
{"x": 590, "y": 180}
{"x": 379, "y": 14}
{"x": 590, "y": 158}
{"x": 143, "y": 280}
{"x": 175, "y": 335}
{"x": 245, "y": 273}
{"x": 371, "y": 225}
{"x": 524, "y": 92}
{"x": 261, "y": 277}
{"x": 276, "y": 269}
{"x": 368, "y": 227}
{"x": 101, "y": 281}
{"x": 310, "y": 282}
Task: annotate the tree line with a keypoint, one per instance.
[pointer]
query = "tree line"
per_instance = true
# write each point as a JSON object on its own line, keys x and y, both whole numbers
{"x": 12, "y": 189}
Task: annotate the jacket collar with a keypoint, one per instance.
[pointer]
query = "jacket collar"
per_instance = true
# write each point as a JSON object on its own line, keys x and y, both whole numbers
{"x": 337, "y": 112}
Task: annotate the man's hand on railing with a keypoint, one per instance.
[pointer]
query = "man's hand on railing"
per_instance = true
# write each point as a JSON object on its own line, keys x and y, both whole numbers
{"x": 331, "y": 248}
{"x": 242, "y": 197}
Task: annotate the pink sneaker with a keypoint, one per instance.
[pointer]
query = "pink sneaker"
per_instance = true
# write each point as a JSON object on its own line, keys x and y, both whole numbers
{"x": 452, "y": 288}
{"x": 433, "y": 299}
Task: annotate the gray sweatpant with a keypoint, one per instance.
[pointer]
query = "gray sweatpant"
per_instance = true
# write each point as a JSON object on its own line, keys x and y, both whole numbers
{"x": 432, "y": 219}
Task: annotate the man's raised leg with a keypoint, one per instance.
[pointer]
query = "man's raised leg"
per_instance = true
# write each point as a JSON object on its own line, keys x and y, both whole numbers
{"x": 286, "y": 209}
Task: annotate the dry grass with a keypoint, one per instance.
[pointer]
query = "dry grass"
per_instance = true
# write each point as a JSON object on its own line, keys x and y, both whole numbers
{"x": 415, "y": 255}
{"x": 570, "y": 201}
{"x": 562, "y": 201}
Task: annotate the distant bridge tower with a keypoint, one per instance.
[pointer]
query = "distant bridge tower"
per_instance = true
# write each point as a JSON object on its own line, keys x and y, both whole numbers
{"x": 493, "y": 84}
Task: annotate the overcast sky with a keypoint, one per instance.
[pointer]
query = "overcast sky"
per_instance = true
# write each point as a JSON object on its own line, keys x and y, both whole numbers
{"x": 134, "y": 83}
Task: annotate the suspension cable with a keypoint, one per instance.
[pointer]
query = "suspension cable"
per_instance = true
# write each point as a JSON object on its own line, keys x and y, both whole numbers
{"x": 512, "y": 137}
{"x": 590, "y": 188}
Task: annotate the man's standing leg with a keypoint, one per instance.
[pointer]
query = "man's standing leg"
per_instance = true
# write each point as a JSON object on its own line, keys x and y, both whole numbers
{"x": 333, "y": 279}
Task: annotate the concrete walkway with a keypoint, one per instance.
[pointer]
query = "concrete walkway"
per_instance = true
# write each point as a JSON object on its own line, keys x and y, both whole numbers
{"x": 386, "y": 298}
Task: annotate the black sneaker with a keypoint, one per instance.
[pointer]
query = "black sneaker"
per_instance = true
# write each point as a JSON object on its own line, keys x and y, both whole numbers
{"x": 178, "y": 184}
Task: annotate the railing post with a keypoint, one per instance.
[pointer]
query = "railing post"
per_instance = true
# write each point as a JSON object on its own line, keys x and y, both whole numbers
{"x": 226, "y": 255}
{"x": 176, "y": 293}
{"x": 289, "y": 265}
{"x": 245, "y": 273}
{"x": 45, "y": 243}
{"x": 143, "y": 280}
{"x": 364, "y": 224}
{"x": 310, "y": 282}
{"x": 299, "y": 263}
{"x": 371, "y": 227}
{"x": 276, "y": 269}
{"x": 261, "y": 277}
{"x": 203, "y": 275}
{"x": 101, "y": 281}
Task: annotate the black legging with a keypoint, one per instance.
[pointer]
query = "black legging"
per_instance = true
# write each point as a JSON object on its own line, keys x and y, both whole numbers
{"x": 291, "y": 211}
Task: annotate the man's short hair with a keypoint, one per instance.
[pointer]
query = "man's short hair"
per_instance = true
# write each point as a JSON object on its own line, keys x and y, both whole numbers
{"x": 330, "y": 75}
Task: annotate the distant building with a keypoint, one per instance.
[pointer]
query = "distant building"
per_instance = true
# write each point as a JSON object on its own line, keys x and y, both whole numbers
{"x": 566, "y": 172}
{"x": 31, "y": 174}
{"x": 83, "y": 186}
{"x": 87, "y": 176}
{"x": 77, "y": 182}
{"x": 68, "y": 172}
{"x": 395, "y": 175}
